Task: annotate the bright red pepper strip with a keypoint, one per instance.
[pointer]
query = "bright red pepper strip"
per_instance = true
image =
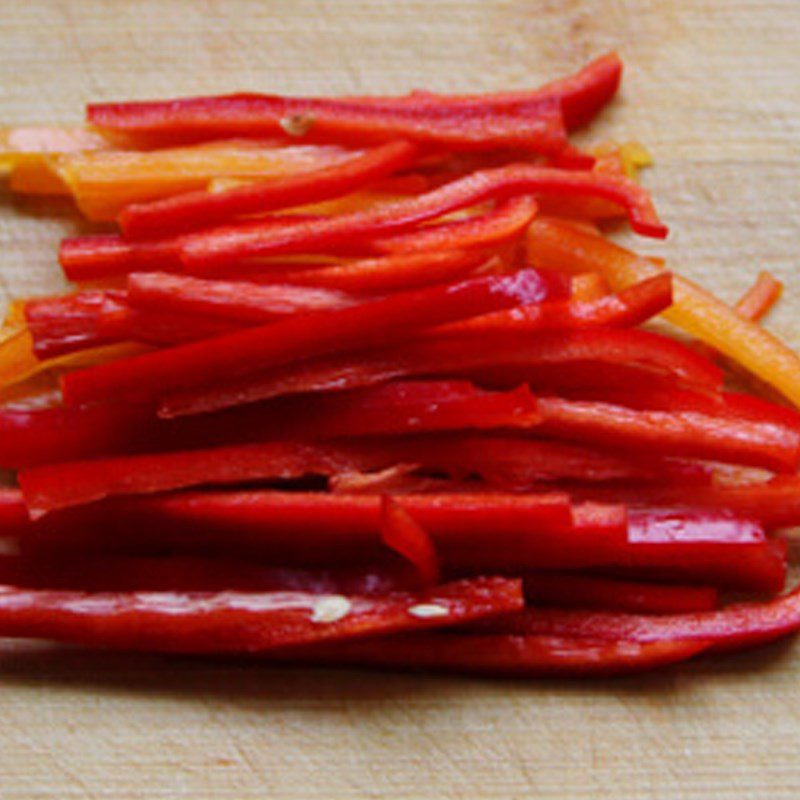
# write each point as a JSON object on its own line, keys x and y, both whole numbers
{"x": 502, "y": 224}
{"x": 403, "y": 534}
{"x": 679, "y": 433}
{"x": 568, "y": 590}
{"x": 503, "y": 656}
{"x": 209, "y": 250}
{"x": 381, "y": 321}
{"x": 457, "y": 356}
{"x": 385, "y": 274}
{"x": 536, "y": 127}
{"x": 242, "y": 303}
{"x": 733, "y": 628}
{"x": 205, "y": 209}
{"x": 240, "y": 622}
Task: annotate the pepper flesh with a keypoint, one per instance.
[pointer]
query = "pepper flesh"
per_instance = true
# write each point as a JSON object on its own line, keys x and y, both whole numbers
{"x": 403, "y": 534}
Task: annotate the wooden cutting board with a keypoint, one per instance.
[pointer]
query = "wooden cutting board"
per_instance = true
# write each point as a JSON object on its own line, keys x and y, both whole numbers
{"x": 712, "y": 87}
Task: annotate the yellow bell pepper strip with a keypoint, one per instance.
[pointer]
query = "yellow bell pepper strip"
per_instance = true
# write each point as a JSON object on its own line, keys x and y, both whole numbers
{"x": 556, "y": 244}
{"x": 29, "y": 144}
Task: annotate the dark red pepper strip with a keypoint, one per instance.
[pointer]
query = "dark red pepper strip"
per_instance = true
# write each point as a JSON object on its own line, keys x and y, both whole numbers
{"x": 681, "y": 433}
{"x": 205, "y": 209}
{"x": 568, "y": 590}
{"x": 240, "y": 622}
{"x": 381, "y": 321}
{"x": 384, "y": 274}
{"x": 107, "y": 573}
{"x": 504, "y": 223}
{"x": 465, "y": 356}
{"x": 733, "y": 628}
{"x": 210, "y": 250}
{"x": 77, "y": 321}
{"x": 536, "y": 127}
{"x": 403, "y": 534}
{"x": 503, "y": 656}
{"x": 237, "y": 302}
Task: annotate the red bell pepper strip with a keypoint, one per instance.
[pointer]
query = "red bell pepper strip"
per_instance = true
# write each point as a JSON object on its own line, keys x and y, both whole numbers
{"x": 77, "y": 321}
{"x": 385, "y": 274}
{"x": 318, "y": 529}
{"x": 503, "y": 656}
{"x": 204, "y": 209}
{"x": 383, "y": 321}
{"x": 101, "y": 256}
{"x": 535, "y": 127}
{"x": 392, "y": 409}
{"x": 626, "y": 309}
{"x": 760, "y": 297}
{"x": 219, "y": 247}
{"x": 53, "y": 486}
{"x": 733, "y": 628}
{"x": 107, "y": 573}
{"x": 504, "y": 223}
{"x": 240, "y": 622}
{"x": 680, "y": 433}
{"x": 242, "y": 303}
{"x": 568, "y": 590}
{"x": 774, "y": 503}
{"x": 457, "y": 356}
{"x": 403, "y": 534}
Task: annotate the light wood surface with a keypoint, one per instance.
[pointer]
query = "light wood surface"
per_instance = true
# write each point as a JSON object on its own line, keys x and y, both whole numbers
{"x": 712, "y": 87}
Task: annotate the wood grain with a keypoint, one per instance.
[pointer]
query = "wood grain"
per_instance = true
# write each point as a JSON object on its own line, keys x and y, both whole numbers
{"x": 712, "y": 88}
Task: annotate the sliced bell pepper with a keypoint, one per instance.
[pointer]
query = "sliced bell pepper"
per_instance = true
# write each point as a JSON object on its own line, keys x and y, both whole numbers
{"x": 463, "y": 356}
{"x": 203, "y": 209}
{"x": 237, "y": 302}
{"x": 28, "y": 145}
{"x": 103, "y": 183}
{"x": 210, "y": 250}
{"x": 108, "y": 573}
{"x": 384, "y": 321}
{"x": 733, "y": 628}
{"x": 676, "y": 433}
{"x": 588, "y": 286}
{"x": 568, "y": 590}
{"x": 537, "y": 127}
{"x": 556, "y": 245}
{"x": 504, "y": 223}
{"x": 760, "y": 297}
{"x": 504, "y": 656}
{"x": 403, "y": 534}
{"x": 384, "y": 274}
{"x": 240, "y": 622}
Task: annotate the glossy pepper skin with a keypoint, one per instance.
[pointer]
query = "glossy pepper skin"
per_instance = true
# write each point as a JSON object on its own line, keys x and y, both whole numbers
{"x": 240, "y": 622}
{"x": 385, "y": 320}
{"x": 190, "y": 211}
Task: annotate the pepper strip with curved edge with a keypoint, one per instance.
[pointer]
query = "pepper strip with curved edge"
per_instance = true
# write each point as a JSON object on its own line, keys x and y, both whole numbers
{"x": 756, "y": 302}
{"x": 205, "y": 209}
{"x": 538, "y": 127}
{"x": 384, "y": 274}
{"x": 382, "y": 321}
{"x": 503, "y": 656}
{"x": 403, "y": 534}
{"x": 557, "y": 245}
{"x": 736, "y": 627}
{"x": 456, "y": 356}
{"x": 233, "y": 301}
{"x": 502, "y": 224}
{"x": 568, "y": 590}
{"x": 212, "y": 249}
{"x": 241, "y": 622}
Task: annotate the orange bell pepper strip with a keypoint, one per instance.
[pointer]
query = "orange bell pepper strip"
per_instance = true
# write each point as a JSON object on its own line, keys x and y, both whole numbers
{"x": 557, "y": 245}
{"x": 29, "y": 145}
{"x": 103, "y": 183}
{"x": 756, "y": 302}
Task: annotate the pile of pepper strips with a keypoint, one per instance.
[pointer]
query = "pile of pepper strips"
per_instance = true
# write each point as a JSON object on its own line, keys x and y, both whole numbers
{"x": 361, "y": 381}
